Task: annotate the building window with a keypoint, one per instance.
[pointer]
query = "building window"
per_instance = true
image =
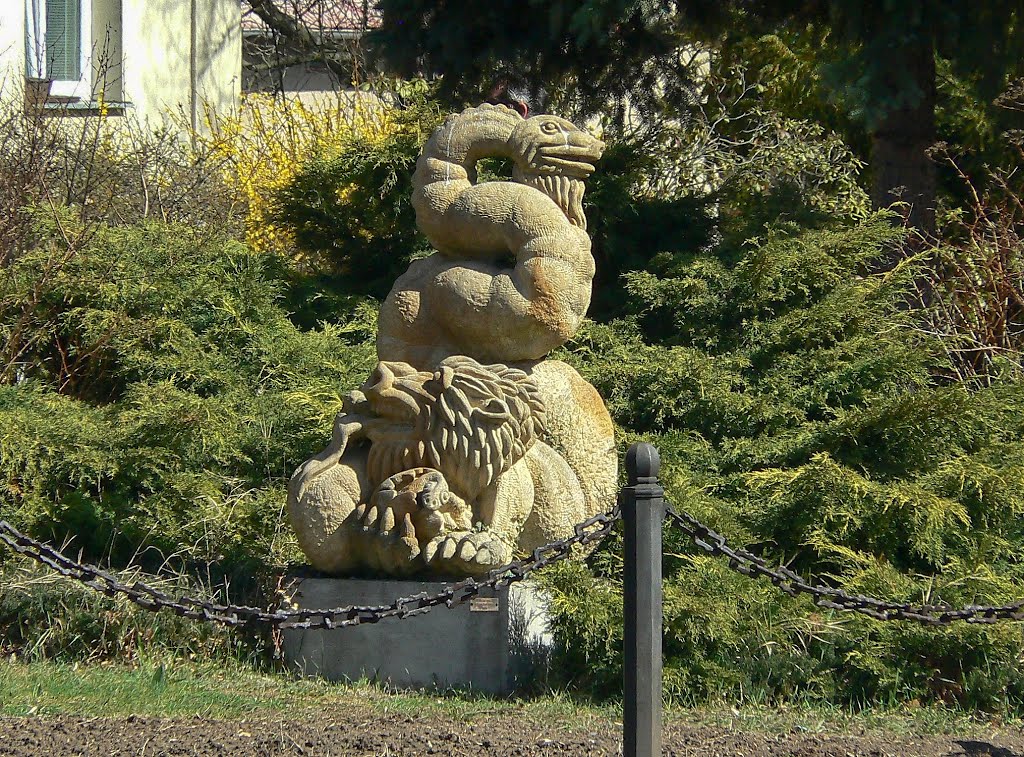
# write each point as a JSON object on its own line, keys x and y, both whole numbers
{"x": 59, "y": 44}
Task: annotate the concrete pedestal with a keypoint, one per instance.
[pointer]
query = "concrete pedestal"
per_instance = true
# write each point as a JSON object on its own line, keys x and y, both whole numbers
{"x": 494, "y": 643}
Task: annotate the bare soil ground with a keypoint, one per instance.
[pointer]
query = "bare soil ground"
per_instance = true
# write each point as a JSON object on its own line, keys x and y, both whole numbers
{"x": 368, "y": 732}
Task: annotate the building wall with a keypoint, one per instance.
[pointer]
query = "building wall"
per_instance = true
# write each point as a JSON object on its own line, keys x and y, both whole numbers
{"x": 161, "y": 56}
{"x": 181, "y": 55}
{"x": 218, "y": 53}
{"x": 12, "y": 47}
{"x": 108, "y": 50}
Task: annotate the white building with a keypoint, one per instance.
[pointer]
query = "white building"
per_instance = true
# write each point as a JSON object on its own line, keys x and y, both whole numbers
{"x": 144, "y": 57}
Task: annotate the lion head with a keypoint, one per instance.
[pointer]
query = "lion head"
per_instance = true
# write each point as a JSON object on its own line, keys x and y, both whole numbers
{"x": 470, "y": 421}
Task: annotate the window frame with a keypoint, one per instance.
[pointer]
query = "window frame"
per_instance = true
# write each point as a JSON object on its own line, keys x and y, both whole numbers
{"x": 35, "y": 50}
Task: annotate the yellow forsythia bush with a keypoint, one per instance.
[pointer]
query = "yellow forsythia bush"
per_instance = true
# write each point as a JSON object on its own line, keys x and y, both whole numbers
{"x": 269, "y": 139}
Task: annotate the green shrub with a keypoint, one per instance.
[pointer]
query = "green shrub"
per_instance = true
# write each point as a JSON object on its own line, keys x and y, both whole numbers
{"x": 798, "y": 410}
{"x": 156, "y": 391}
{"x": 160, "y": 396}
{"x": 349, "y": 208}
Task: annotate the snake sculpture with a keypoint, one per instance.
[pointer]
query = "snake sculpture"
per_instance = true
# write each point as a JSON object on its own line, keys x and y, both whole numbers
{"x": 465, "y": 446}
{"x": 465, "y": 300}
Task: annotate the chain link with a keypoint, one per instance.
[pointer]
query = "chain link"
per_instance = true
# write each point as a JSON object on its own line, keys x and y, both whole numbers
{"x": 145, "y": 596}
{"x": 749, "y": 564}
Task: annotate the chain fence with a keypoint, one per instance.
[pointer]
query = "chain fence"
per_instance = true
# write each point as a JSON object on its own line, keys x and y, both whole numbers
{"x": 586, "y": 532}
{"x": 749, "y": 564}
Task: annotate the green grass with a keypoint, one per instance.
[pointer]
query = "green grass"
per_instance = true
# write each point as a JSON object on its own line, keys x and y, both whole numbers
{"x": 819, "y": 718}
{"x": 166, "y": 690}
{"x": 181, "y": 688}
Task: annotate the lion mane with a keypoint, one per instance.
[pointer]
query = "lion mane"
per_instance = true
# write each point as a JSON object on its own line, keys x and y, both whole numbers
{"x": 469, "y": 421}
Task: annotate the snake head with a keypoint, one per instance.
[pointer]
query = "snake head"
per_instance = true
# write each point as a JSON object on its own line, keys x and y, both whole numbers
{"x": 552, "y": 145}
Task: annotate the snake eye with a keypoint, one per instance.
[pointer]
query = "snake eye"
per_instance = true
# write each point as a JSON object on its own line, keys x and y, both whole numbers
{"x": 550, "y": 127}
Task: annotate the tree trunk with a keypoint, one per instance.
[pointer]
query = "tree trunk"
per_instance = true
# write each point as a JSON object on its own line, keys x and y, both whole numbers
{"x": 901, "y": 170}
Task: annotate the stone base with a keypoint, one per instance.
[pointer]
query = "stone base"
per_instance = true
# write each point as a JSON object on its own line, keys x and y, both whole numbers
{"x": 495, "y": 643}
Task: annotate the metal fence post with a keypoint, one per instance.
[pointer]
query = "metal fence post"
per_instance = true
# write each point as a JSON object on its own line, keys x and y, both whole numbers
{"x": 643, "y": 510}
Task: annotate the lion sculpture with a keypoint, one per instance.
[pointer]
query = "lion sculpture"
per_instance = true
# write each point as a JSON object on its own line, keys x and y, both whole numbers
{"x": 465, "y": 447}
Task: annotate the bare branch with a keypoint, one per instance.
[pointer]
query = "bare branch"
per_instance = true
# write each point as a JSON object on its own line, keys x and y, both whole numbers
{"x": 296, "y": 32}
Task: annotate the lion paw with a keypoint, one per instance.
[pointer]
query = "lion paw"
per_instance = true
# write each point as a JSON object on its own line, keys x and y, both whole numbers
{"x": 388, "y": 545}
{"x": 466, "y": 552}
{"x": 406, "y": 512}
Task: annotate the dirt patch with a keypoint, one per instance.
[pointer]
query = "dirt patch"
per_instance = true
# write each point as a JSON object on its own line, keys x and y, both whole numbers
{"x": 370, "y": 733}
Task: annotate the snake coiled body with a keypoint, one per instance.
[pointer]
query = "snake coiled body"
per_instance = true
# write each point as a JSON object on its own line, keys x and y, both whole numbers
{"x": 466, "y": 299}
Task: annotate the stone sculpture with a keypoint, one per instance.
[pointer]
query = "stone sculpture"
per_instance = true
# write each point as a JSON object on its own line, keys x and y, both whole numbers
{"x": 465, "y": 446}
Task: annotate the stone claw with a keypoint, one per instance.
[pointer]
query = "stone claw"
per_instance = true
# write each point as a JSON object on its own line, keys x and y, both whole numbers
{"x": 393, "y": 553}
{"x": 466, "y": 552}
